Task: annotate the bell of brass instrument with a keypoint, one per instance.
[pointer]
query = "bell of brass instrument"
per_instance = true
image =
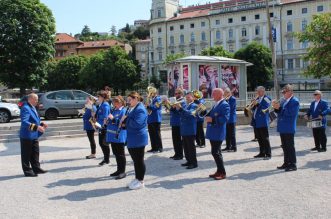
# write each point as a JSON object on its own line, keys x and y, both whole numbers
{"x": 151, "y": 92}
{"x": 201, "y": 111}
{"x": 197, "y": 94}
{"x": 249, "y": 107}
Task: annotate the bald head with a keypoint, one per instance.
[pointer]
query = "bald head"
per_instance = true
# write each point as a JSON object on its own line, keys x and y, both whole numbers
{"x": 33, "y": 99}
{"x": 218, "y": 94}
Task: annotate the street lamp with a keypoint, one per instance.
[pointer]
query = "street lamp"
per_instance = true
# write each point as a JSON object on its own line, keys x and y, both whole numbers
{"x": 273, "y": 52}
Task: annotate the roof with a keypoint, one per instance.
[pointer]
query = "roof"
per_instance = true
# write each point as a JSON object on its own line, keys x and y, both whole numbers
{"x": 100, "y": 44}
{"x": 65, "y": 38}
{"x": 212, "y": 59}
{"x": 206, "y": 9}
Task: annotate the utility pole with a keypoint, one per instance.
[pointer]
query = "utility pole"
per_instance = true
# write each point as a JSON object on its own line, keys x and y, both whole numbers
{"x": 273, "y": 52}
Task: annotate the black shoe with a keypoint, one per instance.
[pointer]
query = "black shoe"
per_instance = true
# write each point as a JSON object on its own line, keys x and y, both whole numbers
{"x": 120, "y": 176}
{"x": 267, "y": 157}
{"x": 291, "y": 168}
{"x": 259, "y": 155}
{"x": 232, "y": 150}
{"x": 178, "y": 158}
{"x": 40, "y": 171}
{"x": 151, "y": 151}
{"x": 197, "y": 146}
{"x": 160, "y": 150}
{"x": 172, "y": 157}
{"x": 322, "y": 150}
{"x": 103, "y": 163}
{"x": 30, "y": 174}
{"x": 91, "y": 156}
{"x": 282, "y": 167}
{"x": 315, "y": 149}
{"x": 225, "y": 149}
{"x": 115, "y": 173}
{"x": 185, "y": 164}
{"x": 191, "y": 167}
{"x": 202, "y": 146}
{"x": 255, "y": 139}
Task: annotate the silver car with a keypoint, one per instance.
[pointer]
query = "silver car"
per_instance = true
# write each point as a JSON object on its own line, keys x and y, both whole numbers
{"x": 8, "y": 111}
{"x": 61, "y": 103}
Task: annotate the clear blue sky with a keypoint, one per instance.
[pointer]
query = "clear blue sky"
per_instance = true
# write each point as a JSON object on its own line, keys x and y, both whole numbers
{"x": 100, "y": 15}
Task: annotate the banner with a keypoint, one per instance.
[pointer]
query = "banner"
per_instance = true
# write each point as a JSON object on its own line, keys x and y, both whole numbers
{"x": 231, "y": 79}
{"x": 173, "y": 80}
{"x": 186, "y": 79}
{"x": 208, "y": 79}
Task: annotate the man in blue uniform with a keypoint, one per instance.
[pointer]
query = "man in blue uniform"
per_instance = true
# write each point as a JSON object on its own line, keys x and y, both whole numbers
{"x": 216, "y": 130}
{"x": 188, "y": 128}
{"x": 231, "y": 144}
{"x": 31, "y": 130}
{"x": 287, "y": 111}
{"x": 154, "y": 122}
{"x": 261, "y": 122}
{"x": 175, "y": 127}
{"x": 318, "y": 110}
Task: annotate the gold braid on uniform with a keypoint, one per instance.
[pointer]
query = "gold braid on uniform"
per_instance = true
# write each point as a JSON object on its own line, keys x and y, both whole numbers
{"x": 33, "y": 127}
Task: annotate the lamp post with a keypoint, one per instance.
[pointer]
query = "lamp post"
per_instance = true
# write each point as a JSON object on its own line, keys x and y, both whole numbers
{"x": 273, "y": 52}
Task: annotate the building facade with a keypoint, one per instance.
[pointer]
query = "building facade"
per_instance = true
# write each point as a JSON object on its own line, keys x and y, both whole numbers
{"x": 142, "y": 56}
{"x": 233, "y": 24}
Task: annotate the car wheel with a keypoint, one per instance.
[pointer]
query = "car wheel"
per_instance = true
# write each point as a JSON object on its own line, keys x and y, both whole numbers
{"x": 4, "y": 116}
{"x": 51, "y": 114}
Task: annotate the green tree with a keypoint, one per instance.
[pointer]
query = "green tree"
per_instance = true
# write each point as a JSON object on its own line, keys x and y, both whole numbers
{"x": 127, "y": 28}
{"x": 156, "y": 81}
{"x": 260, "y": 56}
{"x": 113, "y": 30}
{"x": 27, "y": 30}
{"x": 141, "y": 33}
{"x": 172, "y": 57}
{"x": 86, "y": 31}
{"x": 318, "y": 34}
{"x": 65, "y": 75}
{"x": 216, "y": 51}
{"x": 111, "y": 67}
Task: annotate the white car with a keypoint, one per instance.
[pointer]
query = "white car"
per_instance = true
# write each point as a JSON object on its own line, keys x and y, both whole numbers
{"x": 8, "y": 111}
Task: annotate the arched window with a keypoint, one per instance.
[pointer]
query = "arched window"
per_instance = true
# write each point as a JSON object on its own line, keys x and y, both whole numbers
{"x": 203, "y": 36}
{"x": 289, "y": 27}
{"x": 218, "y": 35}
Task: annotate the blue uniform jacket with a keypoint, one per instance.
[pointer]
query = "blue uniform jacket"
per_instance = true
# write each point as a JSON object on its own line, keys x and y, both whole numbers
{"x": 322, "y": 109}
{"x": 197, "y": 102}
{"x": 156, "y": 115}
{"x": 233, "y": 105}
{"x": 287, "y": 116}
{"x": 30, "y": 121}
{"x": 86, "y": 117}
{"x": 216, "y": 131}
{"x": 136, "y": 126}
{"x": 113, "y": 125}
{"x": 188, "y": 122}
{"x": 261, "y": 119}
{"x": 102, "y": 112}
{"x": 175, "y": 115}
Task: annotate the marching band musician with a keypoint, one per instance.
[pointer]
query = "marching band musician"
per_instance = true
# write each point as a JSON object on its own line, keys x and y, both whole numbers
{"x": 137, "y": 138}
{"x": 216, "y": 130}
{"x": 175, "y": 127}
{"x": 261, "y": 123}
{"x": 231, "y": 144}
{"x": 287, "y": 111}
{"x": 101, "y": 116}
{"x": 318, "y": 110}
{"x": 31, "y": 129}
{"x": 90, "y": 109}
{"x": 154, "y": 122}
{"x": 188, "y": 128}
{"x": 116, "y": 135}
{"x": 200, "y": 135}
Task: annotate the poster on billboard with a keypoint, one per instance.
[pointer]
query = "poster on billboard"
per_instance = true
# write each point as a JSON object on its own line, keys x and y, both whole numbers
{"x": 231, "y": 79}
{"x": 208, "y": 79}
{"x": 173, "y": 80}
{"x": 186, "y": 77}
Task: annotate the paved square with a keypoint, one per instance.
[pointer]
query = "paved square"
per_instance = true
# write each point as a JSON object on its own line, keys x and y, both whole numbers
{"x": 78, "y": 188}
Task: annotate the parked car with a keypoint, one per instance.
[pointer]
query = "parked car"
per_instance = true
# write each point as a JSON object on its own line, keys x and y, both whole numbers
{"x": 8, "y": 111}
{"x": 24, "y": 99}
{"x": 61, "y": 103}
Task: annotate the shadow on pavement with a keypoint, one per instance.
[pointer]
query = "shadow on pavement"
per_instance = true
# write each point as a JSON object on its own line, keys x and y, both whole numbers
{"x": 319, "y": 165}
{"x": 83, "y": 195}
{"x": 67, "y": 169}
{"x": 177, "y": 184}
{"x": 254, "y": 175}
{"x": 5, "y": 178}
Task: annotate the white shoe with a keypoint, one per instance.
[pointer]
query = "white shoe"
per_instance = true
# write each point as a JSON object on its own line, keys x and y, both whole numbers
{"x": 137, "y": 185}
{"x": 131, "y": 183}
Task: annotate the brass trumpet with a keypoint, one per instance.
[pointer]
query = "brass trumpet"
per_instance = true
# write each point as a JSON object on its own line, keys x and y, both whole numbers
{"x": 249, "y": 107}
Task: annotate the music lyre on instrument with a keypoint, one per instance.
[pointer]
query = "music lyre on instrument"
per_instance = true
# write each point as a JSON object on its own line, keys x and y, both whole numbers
{"x": 314, "y": 123}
